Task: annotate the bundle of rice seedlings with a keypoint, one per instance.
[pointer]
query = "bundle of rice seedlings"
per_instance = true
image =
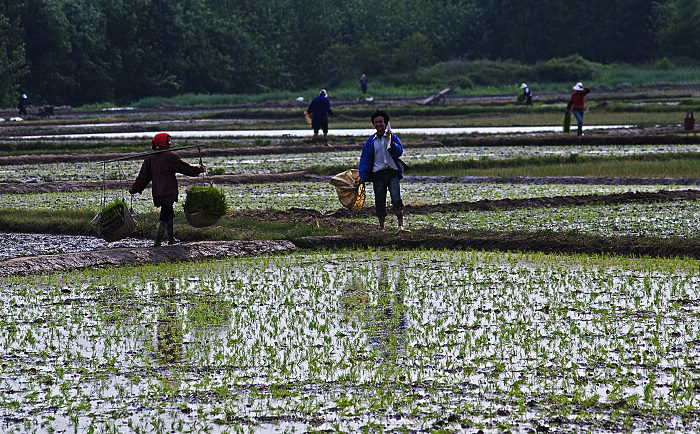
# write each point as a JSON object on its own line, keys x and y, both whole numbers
{"x": 115, "y": 221}
{"x": 566, "y": 122}
{"x": 204, "y": 205}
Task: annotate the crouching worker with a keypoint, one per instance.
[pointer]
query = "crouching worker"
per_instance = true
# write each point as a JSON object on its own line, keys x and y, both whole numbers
{"x": 160, "y": 168}
{"x": 380, "y": 164}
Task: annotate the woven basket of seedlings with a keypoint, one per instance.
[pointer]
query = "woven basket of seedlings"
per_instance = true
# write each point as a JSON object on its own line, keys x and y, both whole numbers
{"x": 115, "y": 221}
{"x": 204, "y": 205}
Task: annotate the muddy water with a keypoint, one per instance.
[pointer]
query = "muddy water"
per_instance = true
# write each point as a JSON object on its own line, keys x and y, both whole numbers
{"x": 19, "y": 244}
{"x": 332, "y": 132}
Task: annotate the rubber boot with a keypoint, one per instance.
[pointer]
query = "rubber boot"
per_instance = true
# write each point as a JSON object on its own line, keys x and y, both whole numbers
{"x": 171, "y": 237}
{"x": 160, "y": 233}
{"x": 580, "y": 130}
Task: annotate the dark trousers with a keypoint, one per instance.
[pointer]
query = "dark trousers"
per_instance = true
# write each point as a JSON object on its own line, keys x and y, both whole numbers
{"x": 387, "y": 179}
{"x": 167, "y": 213}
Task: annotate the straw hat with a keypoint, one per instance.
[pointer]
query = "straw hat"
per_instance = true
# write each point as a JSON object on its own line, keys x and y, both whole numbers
{"x": 579, "y": 86}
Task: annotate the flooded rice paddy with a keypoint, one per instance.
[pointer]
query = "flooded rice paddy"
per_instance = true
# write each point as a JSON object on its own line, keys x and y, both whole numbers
{"x": 275, "y": 163}
{"x": 321, "y": 196}
{"x": 363, "y": 132}
{"x": 356, "y": 340}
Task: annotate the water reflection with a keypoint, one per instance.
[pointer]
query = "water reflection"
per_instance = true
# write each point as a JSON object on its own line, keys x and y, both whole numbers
{"x": 169, "y": 334}
{"x": 382, "y": 307}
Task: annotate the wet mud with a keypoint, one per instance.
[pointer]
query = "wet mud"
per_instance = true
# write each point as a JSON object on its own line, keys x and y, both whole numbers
{"x": 128, "y": 256}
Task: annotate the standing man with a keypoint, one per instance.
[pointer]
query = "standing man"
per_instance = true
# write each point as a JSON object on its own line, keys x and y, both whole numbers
{"x": 160, "y": 169}
{"x": 527, "y": 94}
{"x": 319, "y": 109}
{"x": 380, "y": 164}
{"x": 363, "y": 83}
{"x": 576, "y": 102}
{"x": 22, "y": 104}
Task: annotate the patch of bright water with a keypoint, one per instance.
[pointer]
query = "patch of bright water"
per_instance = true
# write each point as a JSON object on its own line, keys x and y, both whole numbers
{"x": 332, "y": 132}
{"x": 20, "y": 244}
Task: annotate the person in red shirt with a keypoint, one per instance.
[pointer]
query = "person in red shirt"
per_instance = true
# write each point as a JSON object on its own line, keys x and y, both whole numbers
{"x": 576, "y": 103}
{"x": 160, "y": 169}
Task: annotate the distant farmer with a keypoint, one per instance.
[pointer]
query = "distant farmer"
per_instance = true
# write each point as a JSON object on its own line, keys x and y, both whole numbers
{"x": 380, "y": 164}
{"x": 576, "y": 103}
{"x": 160, "y": 169}
{"x": 319, "y": 109}
{"x": 363, "y": 83}
{"x": 22, "y": 104}
{"x": 527, "y": 94}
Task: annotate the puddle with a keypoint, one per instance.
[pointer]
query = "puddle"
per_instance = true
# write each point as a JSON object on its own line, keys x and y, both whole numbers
{"x": 331, "y": 132}
{"x": 21, "y": 244}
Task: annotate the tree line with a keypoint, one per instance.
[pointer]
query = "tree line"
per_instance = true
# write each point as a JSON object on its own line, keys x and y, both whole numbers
{"x": 82, "y": 51}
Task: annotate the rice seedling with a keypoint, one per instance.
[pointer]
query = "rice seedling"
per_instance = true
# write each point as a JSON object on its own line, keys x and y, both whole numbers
{"x": 351, "y": 340}
{"x": 275, "y": 163}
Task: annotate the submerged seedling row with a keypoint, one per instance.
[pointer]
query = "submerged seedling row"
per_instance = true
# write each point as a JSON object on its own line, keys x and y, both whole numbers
{"x": 415, "y": 340}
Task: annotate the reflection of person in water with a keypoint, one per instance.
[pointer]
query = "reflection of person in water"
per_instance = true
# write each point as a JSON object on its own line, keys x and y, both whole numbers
{"x": 388, "y": 319}
{"x": 169, "y": 329}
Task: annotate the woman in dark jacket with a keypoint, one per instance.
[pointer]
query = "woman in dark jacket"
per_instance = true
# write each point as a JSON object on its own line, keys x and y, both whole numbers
{"x": 160, "y": 169}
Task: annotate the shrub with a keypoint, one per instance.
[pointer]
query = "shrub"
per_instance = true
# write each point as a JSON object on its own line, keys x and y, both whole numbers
{"x": 560, "y": 69}
{"x": 494, "y": 73}
{"x": 664, "y": 64}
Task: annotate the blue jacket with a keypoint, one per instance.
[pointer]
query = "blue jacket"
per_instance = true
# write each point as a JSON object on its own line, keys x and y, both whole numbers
{"x": 367, "y": 156}
{"x": 319, "y": 108}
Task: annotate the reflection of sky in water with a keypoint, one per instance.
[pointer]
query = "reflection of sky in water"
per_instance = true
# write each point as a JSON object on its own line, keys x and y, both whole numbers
{"x": 275, "y": 163}
{"x": 263, "y": 336}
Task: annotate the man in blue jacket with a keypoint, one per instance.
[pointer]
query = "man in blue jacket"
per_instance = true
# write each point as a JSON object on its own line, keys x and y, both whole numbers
{"x": 319, "y": 109}
{"x": 380, "y": 164}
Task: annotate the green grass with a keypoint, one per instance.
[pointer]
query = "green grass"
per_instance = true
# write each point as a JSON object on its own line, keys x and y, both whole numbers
{"x": 227, "y": 228}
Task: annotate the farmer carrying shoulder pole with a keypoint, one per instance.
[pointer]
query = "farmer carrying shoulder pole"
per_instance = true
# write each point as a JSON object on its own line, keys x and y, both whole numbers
{"x": 576, "y": 103}
{"x": 380, "y": 164}
{"x": 160, "y": 169}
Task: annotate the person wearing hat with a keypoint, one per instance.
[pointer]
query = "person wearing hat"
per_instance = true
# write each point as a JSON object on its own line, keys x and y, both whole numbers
{"x": 381, "y": 164}
{"x": 22, "y": 104}
{"x": 576, "y": 103}
{"x": 319, "y": 109}
{"x": 527, "y": 94}
{"x": 159, "y": 168}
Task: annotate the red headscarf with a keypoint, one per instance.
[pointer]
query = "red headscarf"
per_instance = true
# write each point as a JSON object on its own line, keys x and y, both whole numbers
{"x": 161, "y": 140}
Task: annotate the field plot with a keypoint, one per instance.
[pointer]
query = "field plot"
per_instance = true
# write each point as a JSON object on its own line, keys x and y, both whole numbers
{"x": 664, "y": 220}
{"x": 276, "y": 163}
{"x": 321, "y": 196}
{"x": 352, "y": 340}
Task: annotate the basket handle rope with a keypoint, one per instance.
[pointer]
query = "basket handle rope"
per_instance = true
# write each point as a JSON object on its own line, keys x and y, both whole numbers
{"x": 204, "y": 174}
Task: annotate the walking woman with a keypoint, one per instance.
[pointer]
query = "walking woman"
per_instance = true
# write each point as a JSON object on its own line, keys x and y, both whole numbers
{"x": 160, "y": 169}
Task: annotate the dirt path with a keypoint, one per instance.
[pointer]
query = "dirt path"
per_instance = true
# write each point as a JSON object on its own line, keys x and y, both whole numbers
{"x": 140, "y": 256}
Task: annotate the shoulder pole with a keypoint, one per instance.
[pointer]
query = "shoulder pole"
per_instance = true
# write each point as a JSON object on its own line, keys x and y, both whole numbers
{"x": 144, "y": 154}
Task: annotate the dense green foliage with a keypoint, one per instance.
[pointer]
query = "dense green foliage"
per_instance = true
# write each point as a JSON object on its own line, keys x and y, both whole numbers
{"x": 79, "y": 51}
